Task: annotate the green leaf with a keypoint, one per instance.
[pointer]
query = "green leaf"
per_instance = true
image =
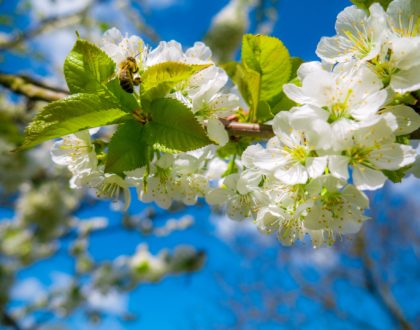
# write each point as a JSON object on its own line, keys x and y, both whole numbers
{"x": 270, "y": 58}
{"x": 230, "y": 68}
{"x": 264, "y": 112}
{"x": 159, "y": 79}
{"x": 174, "y": 126}
{"x": 9, "y": 130}
{"x": 248, "y": 82}
{"x": 403, "y": 139}
{"x": 70, "y": 115}
{"x": 295, "y": 64}
{"x": 126, "y": 100}
{"x": 397, "y": 175}
{"x": 282, "y": 103}
{"x": 233, "y": 148}
{"x": 87, "y": 68}
{"x": 128, "y": 148}
{"x": 365, "y": 4}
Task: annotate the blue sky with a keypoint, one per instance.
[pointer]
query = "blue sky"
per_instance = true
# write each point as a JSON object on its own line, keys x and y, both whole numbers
{"x": 198, "y": 301}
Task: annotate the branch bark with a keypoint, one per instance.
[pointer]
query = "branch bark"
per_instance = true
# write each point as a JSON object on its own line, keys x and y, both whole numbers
{"x": 31, "y": 88}
{"x": 39, "y": 91}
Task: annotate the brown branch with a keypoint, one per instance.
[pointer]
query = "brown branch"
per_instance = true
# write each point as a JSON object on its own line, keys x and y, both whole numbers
{"x": 246, "y": 129}
{"x": 36, "y": 90}
{"x": 31, "y": 88}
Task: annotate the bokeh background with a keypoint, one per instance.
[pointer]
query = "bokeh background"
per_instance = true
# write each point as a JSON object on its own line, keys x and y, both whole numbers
{"x": 237, "y": 278}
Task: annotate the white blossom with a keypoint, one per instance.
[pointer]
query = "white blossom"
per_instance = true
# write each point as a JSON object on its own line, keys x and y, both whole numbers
{"x": 119, "y": 48}
{"x": 373, "y": 149}
{"x": 335, "y": 208}
{"x": 241, "y": 198}
{"x": 358, "y": 35}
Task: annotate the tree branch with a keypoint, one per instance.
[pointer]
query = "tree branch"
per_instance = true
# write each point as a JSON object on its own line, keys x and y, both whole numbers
{"x": 33, "y": 89}
{"x": 37, "y": 90}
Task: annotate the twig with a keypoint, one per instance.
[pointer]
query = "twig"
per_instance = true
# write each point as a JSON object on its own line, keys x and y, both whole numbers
{"x": 36, "y": 90}
{"x": 31, "y": 88}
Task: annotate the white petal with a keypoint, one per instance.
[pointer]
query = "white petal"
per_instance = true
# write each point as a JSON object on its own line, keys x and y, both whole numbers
{"x": 251, "y": 154}
{"x": 376, "y": 134}
{"x": 402, "y": 13}
{"x": 349, "y": 19}
{"x": 339, "y": 166}
{"x": 351, "y": 222}
{"x": 237, "y": 210}
{"x": 281, "y": 123}
{"x": 392, "y": 156}
{"x": 302, "y": 117}
{"x": 365, "y": 178}
{"x": 355, "y": 196}
{"x": 165, "y": 161}
{"x": 269, "y": 218}
{"x": 231, "y": 181}
{"x": 224, "y": 104}
{"x": 334, "y": 49}
{"x": 317, "y": 218}
{"x": 406, "y": 80}
{"x": 309, "y": 67}
{"x": 294, "y": 175}
{"x": 405, "y": 52}
{"x": 217, "y": 196}
{"x": 407, "y": 120}
{"x": 199, "y": 51}
{"x": 316, "y": 166}
{"x": 341, "y": 134}
{"x": 217, "y": 132}
{"x": 297, "y": 94}
{"x": 370, "y": 105}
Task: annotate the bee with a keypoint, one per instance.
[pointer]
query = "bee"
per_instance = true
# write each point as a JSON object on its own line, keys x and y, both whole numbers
{"x": 127, "y": 69}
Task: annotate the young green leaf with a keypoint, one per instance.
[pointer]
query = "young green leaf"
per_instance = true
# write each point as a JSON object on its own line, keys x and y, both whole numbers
{"x": 270, "y": 58}
{"x": 248, "y": 82}
{"x": 397, "y": 175}
{"x": 174, "y": 126}
{"x": 295, "y": 62}
{"x": 70, "y": 115}
{"x": 87, "y": 68}
{"x": 126, "y": 100}
{"x": 159, "y": 79}
{"x": 128, "y": 148}
{"x": 365, "y": 4}
{"x": 264, "y": 112}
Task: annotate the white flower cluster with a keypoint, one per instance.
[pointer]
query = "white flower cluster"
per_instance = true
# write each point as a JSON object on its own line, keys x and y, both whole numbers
{"x": 206, "y": 92}
{"x": 347, "y": 121}
{"x": 181, "y": 177}
{"x": 345, "y": 135}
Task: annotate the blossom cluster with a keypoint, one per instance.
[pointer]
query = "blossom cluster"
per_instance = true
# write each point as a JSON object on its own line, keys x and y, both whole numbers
{"x": 346, "y": 134}
{"x": 347, "y": 120}
{"x": 181, "y": 177}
